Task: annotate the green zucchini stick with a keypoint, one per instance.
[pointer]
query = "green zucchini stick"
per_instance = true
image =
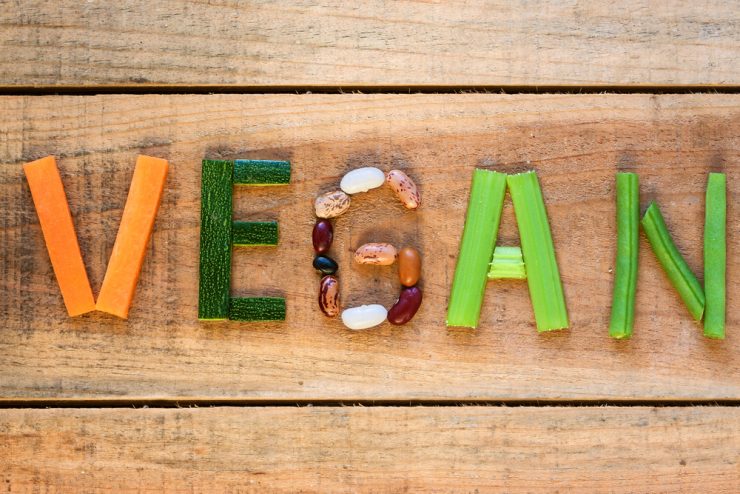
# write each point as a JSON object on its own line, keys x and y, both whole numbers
{"x": 543, "y": 276}
{"x": 476, "y": 247}
{"x": 681, "y": 277}
{"x": 715, "y": 256}
{"x": 625, "y": 273}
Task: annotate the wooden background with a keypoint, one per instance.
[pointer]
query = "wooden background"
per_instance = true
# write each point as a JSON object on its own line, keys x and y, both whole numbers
{"x": 306, "y": 405}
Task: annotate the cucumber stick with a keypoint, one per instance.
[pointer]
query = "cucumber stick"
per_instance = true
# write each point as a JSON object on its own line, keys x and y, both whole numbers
{"x": 215, "y": 240}
{"x": 261, "y": 172}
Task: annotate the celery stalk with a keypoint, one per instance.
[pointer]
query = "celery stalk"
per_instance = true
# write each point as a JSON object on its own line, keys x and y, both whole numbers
{"x": 476, "y": 247}
{"x": 543, "y": 276}
{"x": 681, "y": 277}
{"x": 715, "y": 256}
{"x": 507, "y": 264}
{"x": 625, "y": 275}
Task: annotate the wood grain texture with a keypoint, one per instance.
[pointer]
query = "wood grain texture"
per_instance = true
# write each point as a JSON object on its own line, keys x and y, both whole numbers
{"x": 419, "y": 449}
{"x": 265, "y": 43}
{"x": 575, "y": 142}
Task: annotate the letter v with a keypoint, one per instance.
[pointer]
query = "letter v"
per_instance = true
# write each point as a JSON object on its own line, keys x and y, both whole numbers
{"x": 129, "y": 249}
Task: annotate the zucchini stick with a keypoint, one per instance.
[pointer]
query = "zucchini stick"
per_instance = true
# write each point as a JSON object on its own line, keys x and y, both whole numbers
{"x": 625, "y": 273}
{"x": 257, "y": 309}
{"x": 715, "y": 256}
{"x": 476, "y": 247}
{"x": 543, "y": 276}
{"x": 254, "y": 233}
{"x": 681, "y": 277}
{"x": 507, "y": 264}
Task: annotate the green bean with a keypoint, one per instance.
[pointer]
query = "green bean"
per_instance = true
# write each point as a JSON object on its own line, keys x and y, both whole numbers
{"x": 625, "y": 272}
{"x": 715, "y": 255}
{"x": 673, "y": 263}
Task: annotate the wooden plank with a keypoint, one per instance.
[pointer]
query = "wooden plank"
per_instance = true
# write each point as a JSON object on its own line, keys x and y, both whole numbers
{"x": 332, "y": 42}
{"x": 575, "y": 142}
{"x": 418, "y": 449}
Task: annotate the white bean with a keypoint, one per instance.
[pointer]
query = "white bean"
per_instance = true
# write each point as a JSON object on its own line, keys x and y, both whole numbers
{"x": 364, "y": 316}
{"x": 362, "y": 180}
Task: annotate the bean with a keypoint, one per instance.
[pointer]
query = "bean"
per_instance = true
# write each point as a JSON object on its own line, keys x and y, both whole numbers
{"x": 378, "y": 254}
{"x": 331, "y": 204}
{"x": 406, "y": 306}
{"x": 325, "y": 264}
{"x": 409, "y": 266}
{"x": 405, "y": 188}
{"x": 322, "y": 236}
{"x": 364, "y": 316}
{"x": 362, "y": 180}
{"x": 329, "y": 296}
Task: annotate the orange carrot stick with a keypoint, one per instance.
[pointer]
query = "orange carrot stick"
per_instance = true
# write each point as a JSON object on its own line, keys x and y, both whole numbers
{"x": 52, "y": 209}
{"x": 124, "y": 266}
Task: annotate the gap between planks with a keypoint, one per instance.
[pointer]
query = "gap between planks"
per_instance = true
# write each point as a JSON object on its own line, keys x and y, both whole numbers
{"x": 70, "y": 90}
{"x": 202, "y": 403}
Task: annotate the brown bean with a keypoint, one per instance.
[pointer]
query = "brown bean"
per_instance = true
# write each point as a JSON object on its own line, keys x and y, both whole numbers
{"x": 378, "y": 254}
{"x": 409, "y": 266}
{"x": 406, "y": 306}
{"x": 329, "y": 296}
{"x": 331, "y": 204}
{"x": 405, "y": 188}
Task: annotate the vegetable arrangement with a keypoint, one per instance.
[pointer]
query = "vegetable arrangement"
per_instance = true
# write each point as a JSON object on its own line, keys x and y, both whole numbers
{"x": 479, "y": 260}
{"x": 124, "y": 266}
{"x": 335, "y": 203}
{"x": 219, "y": 233}
{"x": 708, "y": 304}
{"x": 539, "y": 265}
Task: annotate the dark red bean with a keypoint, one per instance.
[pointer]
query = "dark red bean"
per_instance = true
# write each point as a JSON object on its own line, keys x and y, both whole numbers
{"x": 323, "y": 235}
{"x": 405, "y": 307}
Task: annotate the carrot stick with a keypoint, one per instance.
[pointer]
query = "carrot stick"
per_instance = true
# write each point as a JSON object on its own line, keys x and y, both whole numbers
{"x": 52, "y": 209}
{"x": 129, "y": 250}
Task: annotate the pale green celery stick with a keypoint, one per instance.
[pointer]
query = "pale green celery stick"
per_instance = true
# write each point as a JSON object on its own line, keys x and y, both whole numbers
{"x": 507, "y": 263}
{"x": 682, "y": 279}
{"x": 625, "y": 273}
{"x": 476, "y": 247}
{"x": 543, "y": 276}
{"x": 715, "y": 256}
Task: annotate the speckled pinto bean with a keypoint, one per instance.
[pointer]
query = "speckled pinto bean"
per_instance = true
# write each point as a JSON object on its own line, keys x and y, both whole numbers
{"x": 332, "y": 204}
{"x": 378, "y": 254}
{"x": 406, "y": 306}
{"x": 405, "y": 188}
{"x": 329, "y": 296}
